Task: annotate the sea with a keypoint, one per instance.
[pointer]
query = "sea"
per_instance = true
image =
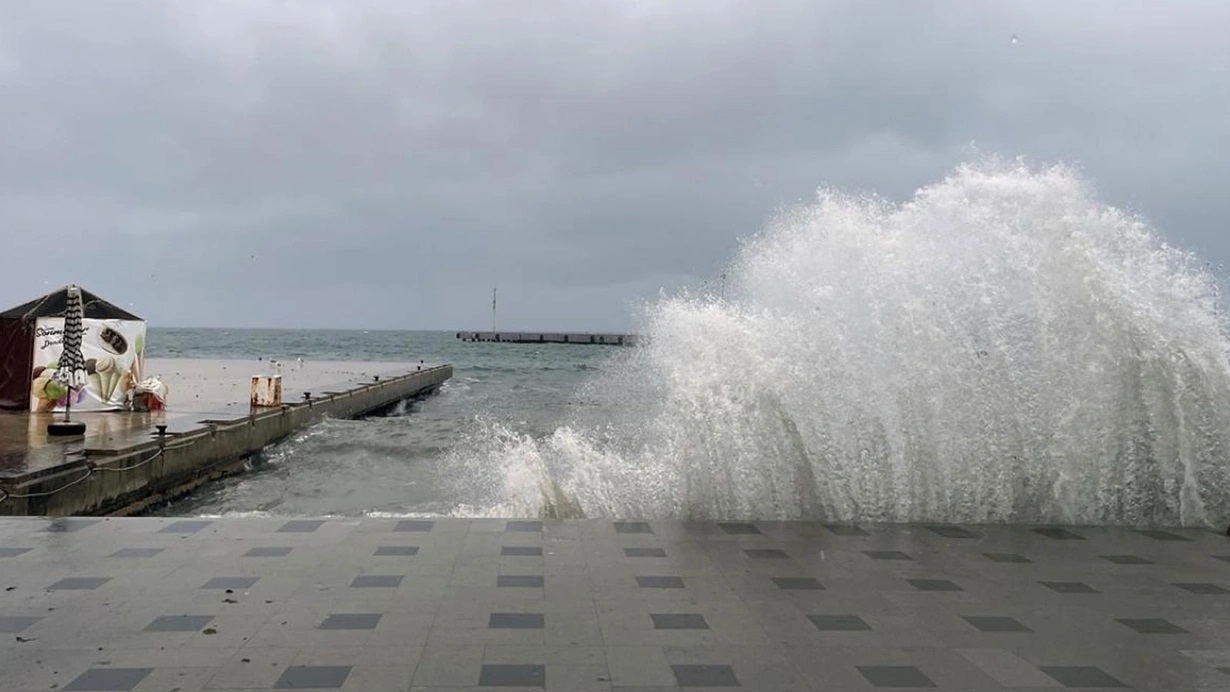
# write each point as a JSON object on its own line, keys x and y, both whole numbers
{"x": 389, "y": 464}
{"x": 1003, "y": 347}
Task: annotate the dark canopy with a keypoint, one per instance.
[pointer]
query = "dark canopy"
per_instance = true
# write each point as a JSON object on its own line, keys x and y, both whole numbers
{"x": 54, "y": 304}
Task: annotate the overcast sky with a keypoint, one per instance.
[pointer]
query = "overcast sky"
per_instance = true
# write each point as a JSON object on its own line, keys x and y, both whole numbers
{"x": 369, "y": 163}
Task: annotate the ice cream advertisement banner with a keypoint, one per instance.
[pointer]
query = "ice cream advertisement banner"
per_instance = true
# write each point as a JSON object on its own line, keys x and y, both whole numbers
{"x": 114, "y": 352}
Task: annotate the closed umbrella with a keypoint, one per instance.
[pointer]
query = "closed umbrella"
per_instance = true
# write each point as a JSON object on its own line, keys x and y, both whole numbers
{"x": 71, "y": 373}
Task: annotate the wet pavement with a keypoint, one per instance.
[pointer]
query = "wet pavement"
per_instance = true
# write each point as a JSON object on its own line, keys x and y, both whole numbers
{"x": 200, "y": 390}
{"x": 433, "y": 604}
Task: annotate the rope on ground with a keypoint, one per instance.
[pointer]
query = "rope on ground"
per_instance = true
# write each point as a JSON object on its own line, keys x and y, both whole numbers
{"x": 89, "y": 471}
{"x": 90, "y": 468}
{"x": 137, "y": 465}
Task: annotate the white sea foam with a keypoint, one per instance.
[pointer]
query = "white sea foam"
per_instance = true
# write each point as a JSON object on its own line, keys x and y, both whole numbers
{"x": 1002, "y": 347}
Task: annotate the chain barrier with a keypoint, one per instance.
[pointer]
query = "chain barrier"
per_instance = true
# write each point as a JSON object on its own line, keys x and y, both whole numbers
{"x": 90, "y": 469}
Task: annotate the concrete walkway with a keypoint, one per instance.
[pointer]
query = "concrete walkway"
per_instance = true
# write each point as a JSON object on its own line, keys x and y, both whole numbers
{"x": 129, "y": 465}
{"x": 200, "y": 389}
{"x": 386, "y": 604}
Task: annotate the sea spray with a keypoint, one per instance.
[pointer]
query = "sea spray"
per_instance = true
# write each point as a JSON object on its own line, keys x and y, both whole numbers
{"x": 1003, "y": 347}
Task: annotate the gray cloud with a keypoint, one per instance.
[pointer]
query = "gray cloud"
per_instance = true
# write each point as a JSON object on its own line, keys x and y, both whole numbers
{"x": 387, "y": 162}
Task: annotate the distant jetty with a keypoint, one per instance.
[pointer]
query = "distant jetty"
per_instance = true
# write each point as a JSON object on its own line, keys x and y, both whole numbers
{"x": 584, "y": 338}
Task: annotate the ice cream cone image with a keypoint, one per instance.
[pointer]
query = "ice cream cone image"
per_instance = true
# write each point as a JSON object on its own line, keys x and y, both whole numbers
{"x": 107, "y": 376}
{"x": 91, "y": 369}
{"x": 38, "y": 389}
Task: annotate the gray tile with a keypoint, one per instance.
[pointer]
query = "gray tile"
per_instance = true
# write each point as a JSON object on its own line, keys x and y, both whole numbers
{"x": 639, "y": 666}
{"x": 952, "y": 532}
{"x": 10, "y": 624}
{"x": 593, "y": 603}
{"x": 895, "y": 676}
{"x": 1126, "y": 559}
{"x": 314, "y": 677}
{"x": 414, "y": 525}
{"x": 1081, "y": 676}
{"x": 632, "y": 527}
{"x": 739, "y": 528}
{"x": 524, "y": 526}
{"x": 1202, "y": 588}
{"x": 350, "y": 621}
{"x": 934, "y": 585}
{"x": 13, "y": 552}
{"x": 109, "y": 679}
{"x": 179, "y": 623}
{"x": 397, "y": 550}
{"x": 301, "y": 526}
{"x": 1068, "y": 586}
{"x": 447, "y": 665}
{"x": 1008, "y": 558}
{"x": 766, "y": 554}
{"x": 798, "y": 583}
{"x": 69, "y": 524}
{"x": 995, "y": 623}
{"x": 1006, "y": 668}
{"x": 269, "y": 551}
{"x": 519, "y": 580}
{"x": 1152, "y": 626}
{"x": 230, "y": 583}
{"x": 886, "y": 555}
{"x": 521, "y": 550}
{"x": 512, "y": 675}
{"x": 678, "y": 621}
{"x": 839, "y": 623}
{"x": 1057, "y": 534}
{"x": 705, "y": 676}
{"x": 185, "y": 526}
{"x": 660, "y": 582}
{"x": 79, "y": 583}
{"x": 383, "y": 678}
{"x": 515, "y": 621}
{"x": 376, "y": 581}
{"x": 1160, "y": 535}
{"x": 846, "y": 530}
{"x": 136, "y": 552}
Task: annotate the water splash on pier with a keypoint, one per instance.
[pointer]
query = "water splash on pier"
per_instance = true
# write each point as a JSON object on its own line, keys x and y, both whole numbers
{"x": 1001, "y": 347}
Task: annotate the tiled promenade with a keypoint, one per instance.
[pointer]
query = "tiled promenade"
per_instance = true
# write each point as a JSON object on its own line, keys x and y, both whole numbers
{"x": 384, "y": 604}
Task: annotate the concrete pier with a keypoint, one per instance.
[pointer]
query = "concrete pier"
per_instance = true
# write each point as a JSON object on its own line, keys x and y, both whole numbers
{"x": 584, "y": 338}
{"x": 124, "y": 465}
{"x": 595, "y": 605}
